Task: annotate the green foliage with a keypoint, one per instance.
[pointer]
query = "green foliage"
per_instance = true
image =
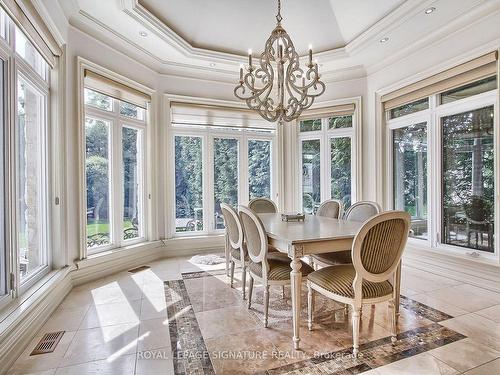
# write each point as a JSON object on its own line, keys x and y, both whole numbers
{"x": 225, "y": 172}
{"x": 340, "y": 153}
{"x": 259, "y": 168}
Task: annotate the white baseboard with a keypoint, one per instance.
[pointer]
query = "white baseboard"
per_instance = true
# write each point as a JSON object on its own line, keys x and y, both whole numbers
{"x": 25, "y": 323}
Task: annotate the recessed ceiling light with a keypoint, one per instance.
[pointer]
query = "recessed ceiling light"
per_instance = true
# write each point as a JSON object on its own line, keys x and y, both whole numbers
{"x": 384, "y": 40}
{"x": 430, "y": 10}
{"x": 143, "y": 34}
{"x": 212, "y": 64}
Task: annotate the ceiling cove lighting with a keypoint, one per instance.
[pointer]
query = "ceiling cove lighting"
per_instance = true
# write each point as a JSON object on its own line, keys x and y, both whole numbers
{"x": 277, "y": 87}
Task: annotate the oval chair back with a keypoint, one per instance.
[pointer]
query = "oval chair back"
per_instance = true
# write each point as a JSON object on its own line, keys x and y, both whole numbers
{"x": 263, "y": 206}
{"x": 330, "y": 208}
{"x": 234, "y": 228}
{"x": 362, "y": 211}
{"x": 256, "y": 237}
{"x": 378, "y": 247}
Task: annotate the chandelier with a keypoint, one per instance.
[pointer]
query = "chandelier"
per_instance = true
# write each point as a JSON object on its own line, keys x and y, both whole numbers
{"x": 278, "y": 88}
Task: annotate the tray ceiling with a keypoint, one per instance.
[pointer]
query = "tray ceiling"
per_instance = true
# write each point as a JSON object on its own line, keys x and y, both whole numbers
{"x": 234, "y": 26}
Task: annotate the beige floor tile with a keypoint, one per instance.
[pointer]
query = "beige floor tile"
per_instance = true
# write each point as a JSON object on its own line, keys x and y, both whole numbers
{"x": 153, "y": 308}
{"x": 64, "y": 320}
{"x": 153, "y": 334}
{"x": 100, "y": 343}
{"x": 477, "y": 328}
{"x": 249, "y": 352}
{"x": 467, "y": 297}
{"x": 490, "y": 368}
{"x": 111, "y": 314}
{"x": 439, "y": 304}
{"x": 421, "y": 364}
{"x": 225, "y": 321}
{"x": 158, "y": 361}
{"x": 26, "y": 364}
{"x": 465, "y": 354}
{"x": 492, "y": 313}
{"x": 120, "y": 366}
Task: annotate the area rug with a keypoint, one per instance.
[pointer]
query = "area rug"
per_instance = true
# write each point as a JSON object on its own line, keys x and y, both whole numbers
{"x": 209, "y": 259}
{"x": 191, "y": 355}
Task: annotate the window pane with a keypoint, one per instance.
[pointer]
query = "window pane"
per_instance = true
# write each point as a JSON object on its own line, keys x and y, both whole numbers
{"x": 310, "y": 125}
{"x": 406, "y": 109}
{"x": 97, "y": 168}
{"x": 311, "y": 172}
{"x": 28, "y": 52}
{"x": 188, "y": 184}
{"x": 340, "y": 152}
{"x": 475, "y": 88}
{"x": 225, "y": 176}
{"x": 340, "y": 122}
{"x": 259, "y": 169}
{"x": 468, "y": 179}
{"x": 98, "y": 100}
{"x": 130, "y": 110}
{"x": 410, "y": 175}
{"x": 30, "y": 175}
{"x": 132, "y": 183}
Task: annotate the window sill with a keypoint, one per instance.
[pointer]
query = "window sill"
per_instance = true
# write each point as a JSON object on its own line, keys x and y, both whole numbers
{"x": 117, "y": 253}
{"x": 17, "y": 308}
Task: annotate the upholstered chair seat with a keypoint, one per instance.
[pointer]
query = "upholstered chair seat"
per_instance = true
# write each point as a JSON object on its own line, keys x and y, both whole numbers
{"x": 279, "y": 267}
{"x": 338, "y": 257}
{"x": 339, "y": 279}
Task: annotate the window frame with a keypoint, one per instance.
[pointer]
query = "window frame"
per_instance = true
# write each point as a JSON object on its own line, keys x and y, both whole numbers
{"x": 325, "y": 135}
{"x": 432, "y": 117}
{"x": 208, "y": 134}
{"x": 16, "y": 68}
{"x": 116, "y": 185}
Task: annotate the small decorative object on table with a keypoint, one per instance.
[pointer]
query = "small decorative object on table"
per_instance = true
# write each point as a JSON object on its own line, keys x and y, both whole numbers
{"x": 293, "y": 217}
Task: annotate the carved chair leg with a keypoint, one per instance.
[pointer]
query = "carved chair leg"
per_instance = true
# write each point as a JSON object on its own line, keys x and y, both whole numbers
{"x": 232, "y": 272}
{"x": 392, "y": 306}
{"x": 310, "y": 307}
{"x": 266, "y": 304}
{"x": 244, "y": 280}
{"x": 356, "y": 317}
{"x": 250, "y": 290}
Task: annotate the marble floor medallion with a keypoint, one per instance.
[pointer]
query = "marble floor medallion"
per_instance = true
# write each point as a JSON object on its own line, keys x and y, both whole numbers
{"x": 251, "y": 348}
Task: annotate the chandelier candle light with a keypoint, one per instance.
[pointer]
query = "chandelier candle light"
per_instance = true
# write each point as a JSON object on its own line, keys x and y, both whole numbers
{"x": 278, "y": 88}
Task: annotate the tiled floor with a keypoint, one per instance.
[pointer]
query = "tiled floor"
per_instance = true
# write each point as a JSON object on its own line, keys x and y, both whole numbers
{"x": 118, "y": 325}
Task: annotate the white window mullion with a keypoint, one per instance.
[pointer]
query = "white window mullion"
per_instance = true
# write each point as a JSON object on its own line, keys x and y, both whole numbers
{"x": 243, "y": 173}
{"x": 208, "y": 176}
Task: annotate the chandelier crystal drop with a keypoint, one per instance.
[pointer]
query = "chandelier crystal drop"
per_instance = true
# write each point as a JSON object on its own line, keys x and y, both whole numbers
{"x": 277, "y": 87}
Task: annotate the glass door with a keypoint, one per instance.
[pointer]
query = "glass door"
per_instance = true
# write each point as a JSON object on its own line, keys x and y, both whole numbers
{"x": 468, "y": 179}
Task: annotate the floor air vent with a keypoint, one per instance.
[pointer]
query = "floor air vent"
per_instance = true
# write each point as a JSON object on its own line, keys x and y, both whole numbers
{"x": 139, "y": 269}
{"x": 48, "y": 343}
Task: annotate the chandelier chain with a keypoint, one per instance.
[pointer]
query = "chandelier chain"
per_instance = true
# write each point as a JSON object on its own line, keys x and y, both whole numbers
{"x": 278, "y": 16}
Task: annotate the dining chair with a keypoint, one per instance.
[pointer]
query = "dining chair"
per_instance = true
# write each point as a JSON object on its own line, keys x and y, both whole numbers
{"x": 360, "y": 212}
{"x": 263, "y": 206}
{"x": 330, "y": 208}
{"x": 371, "y": 279}
{"x": 237, "y": 248}
{"x": 269, "y": 269}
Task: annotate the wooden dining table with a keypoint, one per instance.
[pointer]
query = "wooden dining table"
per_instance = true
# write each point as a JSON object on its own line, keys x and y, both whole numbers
{"x": 314, "y": 235}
